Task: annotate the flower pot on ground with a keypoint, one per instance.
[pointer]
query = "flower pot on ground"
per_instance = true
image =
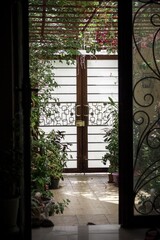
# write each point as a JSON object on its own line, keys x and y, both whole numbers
{"x": 111, "y": 139}
{"x": 54, "y": 183}
{"x": 110, "y": 178}
{"x": 116, "y": 178}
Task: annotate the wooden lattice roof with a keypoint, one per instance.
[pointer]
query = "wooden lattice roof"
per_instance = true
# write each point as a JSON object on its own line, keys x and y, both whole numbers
{"x": 73, "y": 23}
{"x": 87, "y": 24}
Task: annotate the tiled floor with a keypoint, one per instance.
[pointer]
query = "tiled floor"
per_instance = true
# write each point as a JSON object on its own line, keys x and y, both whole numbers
{"x": 96, "y": 232}
{"x": 94, "y": 200}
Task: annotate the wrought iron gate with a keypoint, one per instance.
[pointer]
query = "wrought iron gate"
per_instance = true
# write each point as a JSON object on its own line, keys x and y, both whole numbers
{"x": 84, "y": 88}
{"x": 139, "y": 62}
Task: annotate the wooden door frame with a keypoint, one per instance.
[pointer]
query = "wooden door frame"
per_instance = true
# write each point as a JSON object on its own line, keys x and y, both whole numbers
{"x": 82, "y": 133}
{"x": 81, "y": 101}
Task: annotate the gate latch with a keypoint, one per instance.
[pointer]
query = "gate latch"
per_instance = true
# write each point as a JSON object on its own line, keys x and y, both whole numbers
{"x": 80, "y": 123}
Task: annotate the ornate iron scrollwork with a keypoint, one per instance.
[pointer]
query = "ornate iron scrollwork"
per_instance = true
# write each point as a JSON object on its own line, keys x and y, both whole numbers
{"x": 98, "y": 113}
{"x": 146, "y": 101}
{"x": 58, "y": 114}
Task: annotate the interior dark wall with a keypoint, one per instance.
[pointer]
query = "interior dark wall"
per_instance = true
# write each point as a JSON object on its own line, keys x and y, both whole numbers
{"x": 6, "y": 76}
{"x": 15, "y": 97}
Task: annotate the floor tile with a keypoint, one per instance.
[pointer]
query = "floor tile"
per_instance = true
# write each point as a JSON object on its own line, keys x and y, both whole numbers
{"x": 89, "y": 194}
{"x": 94, "y": 232}
{"x": 64, "y": 220}
{"x": 92, "y": 200}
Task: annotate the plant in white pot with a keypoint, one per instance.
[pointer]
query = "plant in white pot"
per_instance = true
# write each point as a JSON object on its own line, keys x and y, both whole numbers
{"x": 111, "y": 140}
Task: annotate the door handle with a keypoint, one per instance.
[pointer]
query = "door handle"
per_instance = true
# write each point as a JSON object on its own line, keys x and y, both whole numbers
{"x": 77, "y": 106}
{"x": 86, "y": 106}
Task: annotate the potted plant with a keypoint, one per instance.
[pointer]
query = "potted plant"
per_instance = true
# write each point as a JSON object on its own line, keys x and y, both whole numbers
{"x": 39, "y": 167}
{"x": 111, "y": 140}
{"x": 48, "y": 161}
{"x": 57, "y": 153}
{"x": 49, "y": 158}
{"x": 43, "y": 205}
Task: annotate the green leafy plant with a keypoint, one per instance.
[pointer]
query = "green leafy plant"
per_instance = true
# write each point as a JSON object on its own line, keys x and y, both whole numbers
{"x": 57, "y": 153}
{"x": 39, "y": 167}
{"x": 99, "y": 33}
{"x": 146, "y": 164}
{"x": 49, "y": 157}
{"x": 59, "y": 207}
{"x": 111, "y": 137}
{"x": 48, "y": 151}
{"x": 46, "y": 205}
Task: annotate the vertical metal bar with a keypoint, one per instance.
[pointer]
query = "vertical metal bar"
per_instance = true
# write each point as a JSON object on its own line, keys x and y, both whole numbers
{"x": 79, "y": 103}
{"x": 85, "y": 118}
{"x": 26, "y": 104}
{"x": 125, "y": 112}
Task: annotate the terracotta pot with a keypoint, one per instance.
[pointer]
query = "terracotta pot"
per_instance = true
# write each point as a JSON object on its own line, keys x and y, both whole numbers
{"x": 116, "y": 178}
{"x": 54, "y": 184}
{"x": 110, "y": 178}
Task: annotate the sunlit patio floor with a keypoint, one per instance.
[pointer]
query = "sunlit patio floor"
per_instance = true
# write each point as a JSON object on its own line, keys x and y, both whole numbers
{"x": 92, "y": 200}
